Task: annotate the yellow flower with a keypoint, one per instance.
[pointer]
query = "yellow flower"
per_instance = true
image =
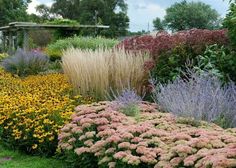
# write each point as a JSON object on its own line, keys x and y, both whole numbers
{"x": 34, "y": 146}
{"x": 36, "y": 107}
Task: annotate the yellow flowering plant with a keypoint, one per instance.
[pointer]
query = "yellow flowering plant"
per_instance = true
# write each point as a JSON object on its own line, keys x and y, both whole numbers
{"x": 3, "y": 56}
{"x": 33, "y": 109}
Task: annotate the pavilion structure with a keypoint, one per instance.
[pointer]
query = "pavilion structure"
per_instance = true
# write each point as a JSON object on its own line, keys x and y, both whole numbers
{"x": 11, "y": 33}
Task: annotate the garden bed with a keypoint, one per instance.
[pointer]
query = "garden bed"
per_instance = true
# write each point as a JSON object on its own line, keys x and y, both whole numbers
{"x": 107, "y": 137}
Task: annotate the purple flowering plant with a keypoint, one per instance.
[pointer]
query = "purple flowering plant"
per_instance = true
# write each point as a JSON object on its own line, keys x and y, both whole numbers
{"x": 24, "y": 63}
{"x": 126, "y": 101}
{"x": 200, "y": 96}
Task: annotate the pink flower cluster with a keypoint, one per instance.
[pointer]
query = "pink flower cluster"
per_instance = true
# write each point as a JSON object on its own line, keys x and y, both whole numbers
{"x": 196, "y": 39}
{"x": 156, "y": 139}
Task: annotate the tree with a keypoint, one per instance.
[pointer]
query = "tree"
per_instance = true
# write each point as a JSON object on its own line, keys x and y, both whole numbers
{"x": 186, "y": 15}
{"x": 68, "y": 9}
{"x": 106, "y": 12}
{"x": 230, "y": 21}
{"x": 158, "y": 25}
{"x": 44, "y": 11}
{"x": 11, "y": 11}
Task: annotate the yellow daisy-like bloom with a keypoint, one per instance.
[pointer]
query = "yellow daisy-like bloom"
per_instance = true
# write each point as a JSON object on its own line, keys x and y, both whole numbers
{"x": 34, "y": 146}
{"x": 33, "y": 109}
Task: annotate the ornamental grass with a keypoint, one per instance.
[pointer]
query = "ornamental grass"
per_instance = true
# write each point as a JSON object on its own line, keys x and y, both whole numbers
{"x": 33, "y": 109}
{"x": 97, "y": 72}
{"x": 108, "y": 138}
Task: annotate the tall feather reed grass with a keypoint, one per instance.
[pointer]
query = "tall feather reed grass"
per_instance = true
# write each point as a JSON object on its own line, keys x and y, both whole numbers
{"x": 95, "y": 73}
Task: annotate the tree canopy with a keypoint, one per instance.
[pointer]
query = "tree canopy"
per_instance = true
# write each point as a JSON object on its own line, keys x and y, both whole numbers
{"x": 11, "y": 11}
{"x": 106, "y": 12}
{"x": 44, "y": 11}
{"x": 68, "y": 9}
{"x": 157, "y": 23}
{"x": 230, "y": 21}
{"x": 186, "y": 15}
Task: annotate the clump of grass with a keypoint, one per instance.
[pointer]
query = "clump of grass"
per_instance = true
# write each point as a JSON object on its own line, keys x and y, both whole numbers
{"x": 95, "y": 72}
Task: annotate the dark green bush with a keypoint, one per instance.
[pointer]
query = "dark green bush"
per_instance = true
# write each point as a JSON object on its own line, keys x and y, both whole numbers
{"x": 169, "y": 64}
{"x": 219, "y": 60}
{"x": 230, "y": 21}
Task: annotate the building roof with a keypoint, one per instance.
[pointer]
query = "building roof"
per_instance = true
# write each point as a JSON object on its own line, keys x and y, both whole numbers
{"x": 29, "y": 26}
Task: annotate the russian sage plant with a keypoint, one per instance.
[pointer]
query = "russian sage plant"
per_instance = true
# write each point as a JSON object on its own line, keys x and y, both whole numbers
{"x": 200, "y": 97}
{"x": 24, "y": 63}
{"x": 127, "y": 101}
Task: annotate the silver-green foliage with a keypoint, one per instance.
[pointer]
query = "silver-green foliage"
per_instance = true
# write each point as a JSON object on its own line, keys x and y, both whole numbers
{"x": 127, "y": 102}
{"x": 24, "y": 63}
{"x": 199, "y": 96}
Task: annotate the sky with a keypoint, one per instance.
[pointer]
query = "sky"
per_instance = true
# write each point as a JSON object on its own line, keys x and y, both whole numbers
{"x": 143, "y": 12}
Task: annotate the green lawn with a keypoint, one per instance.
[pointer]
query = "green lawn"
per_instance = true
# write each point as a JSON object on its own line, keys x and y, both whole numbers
{"x": 13, "y": 159}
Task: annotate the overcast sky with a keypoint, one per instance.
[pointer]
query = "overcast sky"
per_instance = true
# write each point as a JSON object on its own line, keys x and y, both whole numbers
{"x": 142, "y": 12}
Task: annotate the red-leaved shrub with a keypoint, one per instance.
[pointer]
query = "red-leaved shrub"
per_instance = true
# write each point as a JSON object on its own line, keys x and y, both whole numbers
{"x": 154, "y": 140}
{"x": 195, "y": 39}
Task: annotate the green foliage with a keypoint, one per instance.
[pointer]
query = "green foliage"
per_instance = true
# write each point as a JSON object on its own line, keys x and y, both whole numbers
{"x": 15, "y": 159}
{"x": 56, "y": 66}
{"x": 230, "y": 21}
{"x": 131, "y": 110}
{"x": 188, "y": 121}
{"x": 218, "y": 60}
{"x": 44, "y": 11}
{"x": 158, "y": 25}
{"x": 63, "y": 22}
{"x": 169, "y": 64}
{"x": 106, "y": 12}
{"x": 62, "y": 33}
{"x": 74, "y": 161}
{"x": 66, "y": 9}
{"x": 186, "y": 15}
{"x": 11, "y": 11}
{"x": 55, "y": 50}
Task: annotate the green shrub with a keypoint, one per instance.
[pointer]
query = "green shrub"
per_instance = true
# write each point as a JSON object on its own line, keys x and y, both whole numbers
{"x": 63, "y": 22}
{"x": 55, "y": 50}
{"x": 218, "y": 60}
{"x": 62, "y": 33}
{"x": 169, "y": 64}
{"x": 230, "y": 22}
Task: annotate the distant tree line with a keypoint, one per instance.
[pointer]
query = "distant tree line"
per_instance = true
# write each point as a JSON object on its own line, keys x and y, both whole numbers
{"x": 106, "y": 12}
{"x": 187, "y": 15}
{"x": 180, "y": 16}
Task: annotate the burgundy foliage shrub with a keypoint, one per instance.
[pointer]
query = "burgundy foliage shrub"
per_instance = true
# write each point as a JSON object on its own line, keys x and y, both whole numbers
{"x": 155, "y": 140}
{"x": 195, "y": 39}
